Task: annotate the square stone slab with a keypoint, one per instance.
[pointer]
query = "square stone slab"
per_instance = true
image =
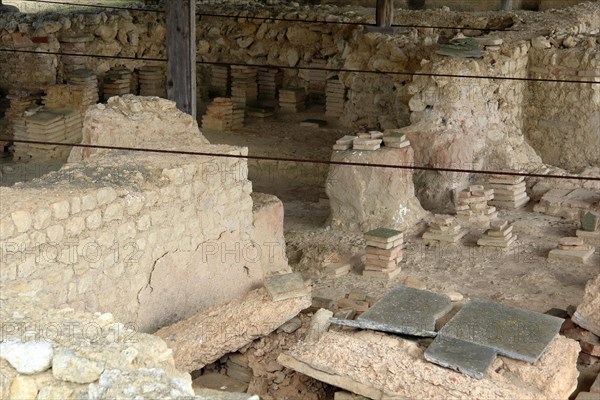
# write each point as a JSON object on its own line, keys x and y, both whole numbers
{"x": 383, "y": 235}
{"x": 403, "y": 310}
{"x": 510, "y": 331}
{"x": 465, "y": 357}
{"x": 285, "y": 286}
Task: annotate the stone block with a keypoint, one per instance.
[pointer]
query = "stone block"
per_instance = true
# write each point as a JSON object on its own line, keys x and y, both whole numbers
{"x": 253, "y": 316}
{"x": 510, "y": 331}
{"x": 574, "y": 256}
{"x": 404, "y": 310}
{"x": 285, "y": 286}
{"x": 465, "y": 357}
{"x": 587, "y": 314}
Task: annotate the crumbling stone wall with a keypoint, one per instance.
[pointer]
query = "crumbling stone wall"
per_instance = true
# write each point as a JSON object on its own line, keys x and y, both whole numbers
{"x": 152, "y": 238}
{"x": 563, "y": 119}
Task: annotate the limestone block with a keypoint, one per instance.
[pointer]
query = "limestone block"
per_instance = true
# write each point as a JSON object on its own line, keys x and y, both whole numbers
{"x": 22, "y": 220}
{"x": 365, "y": 198}
{"x": 208, "y": 335}
{"x": 28, "y": 357}
{"x": 132, "y": 121}
{"x": 267, "y": 214}
{"x": 378, "y": 366}
{"x": 60, "y": 209}
{"x": 587, "y": 314}
{"x": 42, "y": 218}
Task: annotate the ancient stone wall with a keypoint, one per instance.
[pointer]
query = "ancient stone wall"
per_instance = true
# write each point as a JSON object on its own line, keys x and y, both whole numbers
{"x": 563, "y": 119}
{"x": 152, "y": 238}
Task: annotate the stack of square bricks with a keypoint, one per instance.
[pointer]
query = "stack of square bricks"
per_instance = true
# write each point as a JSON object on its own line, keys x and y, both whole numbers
{"x": 269, "y": 81}
{"x": 472, "y": 205}
{"x": 88, "y": 81}
{"x": 335, "y": 96}
{"x": 219, "y": 81}
{"x": 222, "y": 115}
{"x": 244, "y": 88}
{"x": 443, "y": 228}
{"x": 509, "y": 191}
{"x": 20, "y": 101}
{"x": 395, "y": 140}
{"x": 383, "y": 253}
{"x": 499, "y": 235}
{"x": 292, "y": 99}
{"x": 572, "y": 249}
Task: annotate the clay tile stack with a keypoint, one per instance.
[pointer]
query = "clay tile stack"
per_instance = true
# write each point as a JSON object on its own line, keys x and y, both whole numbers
{"x": 292, "y": 99}
{"x": 443, "y": 228}
{"x": 20, "y": 101}
{"x": 88, "y": 82}
{"x": 117, "y": 82}
{"x": 571, "y": 249}
{"x": 500, "y": 234}
{"x": 366, "y": 144}
{"x": 152, "y": 81}
{"x": 472, "y": 205}
{"x": 244, "y": 88}
{"x": 269, "y": 82}
{"x": 41, "y": 126}
{"x": 335, "y": 97}
{"x": 219, "y": 81}
{"x": 383, "y": 253}
{"x": 219, "y": 115}
{"x": 509, "y": 191}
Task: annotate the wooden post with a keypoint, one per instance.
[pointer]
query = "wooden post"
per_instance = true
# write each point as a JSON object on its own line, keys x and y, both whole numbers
{"x": 181, "y": 54}
{"x": 506, "y": 5}
{"x": 384, "y": 14}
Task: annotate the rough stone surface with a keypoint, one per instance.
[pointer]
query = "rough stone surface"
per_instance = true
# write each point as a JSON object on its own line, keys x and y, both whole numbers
{"x": 210, "y": 334}
{"x": 587, "y": 314}
{"x": 350, "y": 191}
{"x": 139, "y": 122}
{"x": 153, "y": 239}
{"x": 346, "y": 360}
{"x": 267, "y": 213}
{"x": 84, "y": 345}
{"x": 27, "y": 357}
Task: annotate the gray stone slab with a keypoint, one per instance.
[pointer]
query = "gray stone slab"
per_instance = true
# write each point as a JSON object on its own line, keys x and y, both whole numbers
{"x": 510, "y": 331}
{"x": 403, "y": 310}
{"x": 465, "y": 357}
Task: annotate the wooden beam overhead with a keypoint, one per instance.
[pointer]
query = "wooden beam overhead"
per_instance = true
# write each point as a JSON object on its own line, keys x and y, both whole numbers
{"x": 181, "y": 54}
{"x": 384, "y": 14}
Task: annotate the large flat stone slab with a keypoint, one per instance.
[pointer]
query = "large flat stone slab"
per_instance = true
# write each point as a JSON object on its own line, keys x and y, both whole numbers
{"x": 510, "y": 331}
{"x": 465, "y": 357}
{"x": 403, "y": 310}
{"x": 380, "y": 366}
{"x": 285, "y": 286}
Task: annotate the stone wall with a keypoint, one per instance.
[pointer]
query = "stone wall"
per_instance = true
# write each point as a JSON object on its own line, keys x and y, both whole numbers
{"x": 563, "y": 119}
{"x": 152, "y": 238}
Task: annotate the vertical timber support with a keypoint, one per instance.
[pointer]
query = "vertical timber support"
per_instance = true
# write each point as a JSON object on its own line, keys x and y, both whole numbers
{"x": 181, "y": 54}
{"x": 384, "y": 14}
{"x": 506, "y": 5}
